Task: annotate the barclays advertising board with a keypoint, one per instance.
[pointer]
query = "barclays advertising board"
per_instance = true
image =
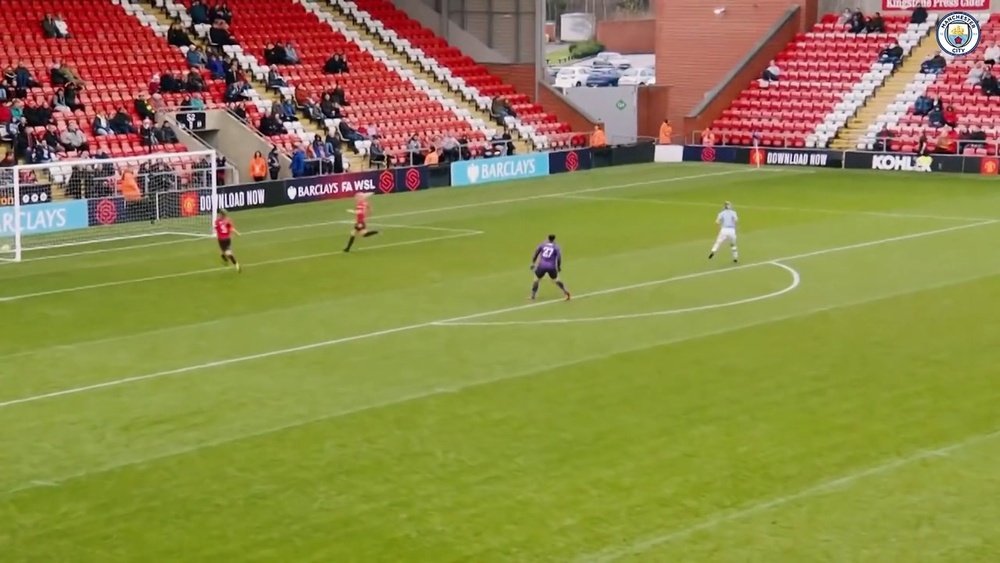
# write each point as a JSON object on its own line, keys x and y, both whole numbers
{"x": 45, "y": 217}
{"x": 484, "y": 171}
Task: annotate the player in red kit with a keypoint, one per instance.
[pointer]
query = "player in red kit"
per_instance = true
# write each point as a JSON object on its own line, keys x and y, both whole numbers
{"x": 224, "y": 231}
{"x": 361, "y": 211}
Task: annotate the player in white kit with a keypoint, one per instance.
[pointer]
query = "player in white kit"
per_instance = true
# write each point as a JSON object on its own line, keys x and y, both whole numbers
{"x": 726, "y": 219}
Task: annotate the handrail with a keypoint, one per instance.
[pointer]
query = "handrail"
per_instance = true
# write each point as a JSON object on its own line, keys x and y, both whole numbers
{"x": 710, "y": 96}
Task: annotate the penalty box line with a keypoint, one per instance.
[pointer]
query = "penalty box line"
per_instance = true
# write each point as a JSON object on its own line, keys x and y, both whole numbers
{"x": 406, "y": 328}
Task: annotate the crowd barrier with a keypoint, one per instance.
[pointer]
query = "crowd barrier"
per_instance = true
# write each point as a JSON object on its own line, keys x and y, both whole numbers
{"x": 198, "y": 201}
{"x": 856, "y": 160}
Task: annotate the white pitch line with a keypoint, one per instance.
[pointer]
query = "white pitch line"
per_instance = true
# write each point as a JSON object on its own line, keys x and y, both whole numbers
{"x": 188, "y": 273}
{"x": 796, "y": 280}
{"x": 723, "y": 517}
{"x": 439, "y": 322}
{"x": 888, "y": 214}
{"x": 460, "y": 387}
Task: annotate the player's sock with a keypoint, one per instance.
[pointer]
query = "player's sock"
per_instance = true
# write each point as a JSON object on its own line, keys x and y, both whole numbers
{"x": 711, "y": 255}
{"x": 224, "y": 259}
{"x": 562, "y": 286}
{"x": 736, "y": 255}
{"x": 232, "y": 258}
{"x": 350, "y": 243}
{"x": 370, "y": 234}
{"x": 534, "y": 289}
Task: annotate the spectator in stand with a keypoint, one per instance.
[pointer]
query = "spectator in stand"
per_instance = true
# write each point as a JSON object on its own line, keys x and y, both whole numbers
{"x": 216, "y": 67}
{"x": 883, "y": 140}
{"x": 8, "y": 85}
{"x": 199, "y": 13}
{"x": 876, "y": 24}
{"x": 58, "y": 102}
{"x": 708, "y": 138}
{"x": 219, "y": 34}
{"x": 159, "y": 106}
{"x": 498, "y": 145}
{"x": 947, "y": 142}
{"x": 62, "y": 75}
{"x": 976, "y": 136}
{"x": 153, "y": 86}
{"x": 51, "y": 138}
{"x": 101, "y": 126}
{"x": 231, "y": 74}
{"x": 270, "y": 124}
{"x": 329, "y": 109}
{"x": 845, "y": 17}
{"x": 992, "y": 54}
{"x": 24, "y": 78}
{"x": 935, "y": 117}
{"x": 177, "y": 37}
{"x": 54, "y": 27}
{"x": 414, "y": 151}
{"x": 666, "y": 132}
{"x": 291, "y": 54}
{"x": 6, "y": 119}
{"x": 37, "y": 113}
{"x": 451, "y": 149}
{"x": 222, "y": 12}
{"x": 121, "y": 123}
{"x": 338, "y": 95}
{"x": 258, "y": 167}
{"x": 164, "y": 133}
{"x": 274, "y": 54}
{"x": 298, "y": 166}
{"x": 170, "y": 84}
{"x": 286, "y": 110}
{"x": 144, "y": 107}
{"x": 147, "y": 135}
{"x": 771, "y": 72}
{"x": 41, "y": 153}
{"x": 273, "y": 162}
{"x": 598, "y": 139}
{"x": 433, "y": 157}
{"x": 195, "y": 57}
{"x": 934, "y": 65}
{"x": 275, "y": 80}
{"x": 891, "y": 54}
{"x": 197, "y": 102}
{"x": 857, "y": 23}
{"x": 73, "y": 139}
{"x": 239, "y": 111}
{"x": 312, "y": 109}
{"x": 975, "y": 77}
{"x": 186, "y": 104}
{"x": 336, "y": 64}
{"x": 989, "y": 84}
{"x": 923, "y": 147}
{"x": 377, "y": 154}
{"x": 194, "y": 82}
{"x": 237, "y": 92}
{"x": 8, "y": 161}
{"x": 500, "y": 109}
{"x": 919, "y": 15}
{"x": 950, "y": 116}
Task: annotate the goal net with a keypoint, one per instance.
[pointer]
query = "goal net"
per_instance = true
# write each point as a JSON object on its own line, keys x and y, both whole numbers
{"x": 111, "y": 202}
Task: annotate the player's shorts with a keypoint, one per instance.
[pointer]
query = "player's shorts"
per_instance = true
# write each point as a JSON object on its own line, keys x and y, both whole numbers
{"x": 542, "y": 272}
{"x": 225, "y": 244}
{"x": 360, "y": 226}
{"x": 726, "y": 234}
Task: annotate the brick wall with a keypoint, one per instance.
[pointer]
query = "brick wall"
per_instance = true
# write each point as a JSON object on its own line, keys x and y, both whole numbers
{"x": 695, "y": 49}
{"x": 628, "y": 36}
{"x": 522, "y": 78}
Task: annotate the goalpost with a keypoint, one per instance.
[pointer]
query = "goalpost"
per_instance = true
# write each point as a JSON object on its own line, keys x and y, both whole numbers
{"x": 109, "y": 202}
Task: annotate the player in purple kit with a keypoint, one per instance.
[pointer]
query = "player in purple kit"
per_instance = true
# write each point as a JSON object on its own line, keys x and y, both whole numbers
{"x": 547, "y": 261}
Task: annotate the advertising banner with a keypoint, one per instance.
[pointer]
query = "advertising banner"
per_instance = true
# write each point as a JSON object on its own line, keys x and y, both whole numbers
{"x": 484, "y": 171}
{"x": 408, "y": 179}
{"x": 940, "y": 5}
{"x": 698, "y": 153}
{"x": 904, "y": 162}
{"x": 334, "y": 186}
{"x": 30, "y": 194}
{"x": 45, "y": 217}
{"x": 767, "y": 156}
{"x": 988, "y": 166}
{"x": 570, "y": 161}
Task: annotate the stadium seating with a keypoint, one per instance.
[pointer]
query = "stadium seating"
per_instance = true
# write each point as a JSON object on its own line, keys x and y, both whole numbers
{"x": 826, "y": 75}
{"x": 972, "y": 106}
{"x": 460, "y": 72}
{"x": 114, "y": 52}
{"x": 382, "y": 95}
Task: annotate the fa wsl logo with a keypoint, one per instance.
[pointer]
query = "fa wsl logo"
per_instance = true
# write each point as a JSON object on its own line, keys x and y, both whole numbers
{"x": 958, "y": 33}
{"x": 898, "y": 162}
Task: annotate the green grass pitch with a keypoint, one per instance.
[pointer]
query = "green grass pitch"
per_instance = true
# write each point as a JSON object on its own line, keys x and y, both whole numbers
{"x": 831, "y": 398}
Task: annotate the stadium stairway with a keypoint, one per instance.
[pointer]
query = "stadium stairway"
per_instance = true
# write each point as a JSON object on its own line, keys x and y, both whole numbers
{"x": 522, "y": 145}
{"x": 895, "y": 85}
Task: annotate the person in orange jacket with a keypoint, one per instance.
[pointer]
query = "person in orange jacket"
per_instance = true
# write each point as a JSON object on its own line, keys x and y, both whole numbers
{"x": 129, "y": 187}
{"x": 666, "y": 132}
{"x": 598, "y": 138}
{"x": 258, "y": 167}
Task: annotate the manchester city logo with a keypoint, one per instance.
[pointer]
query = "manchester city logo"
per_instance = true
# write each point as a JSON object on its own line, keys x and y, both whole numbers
{"x": 958, "y": 33}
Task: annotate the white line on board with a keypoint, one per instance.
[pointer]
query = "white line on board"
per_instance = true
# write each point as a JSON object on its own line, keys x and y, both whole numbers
{"x": 285, "y": 260}
{"x": 722, "y": 517}
{"x": 406, "y": 328}
{"x": 677, "y": 202}
{"x": 796, "y": 280}
{"x": 460, "y": 387}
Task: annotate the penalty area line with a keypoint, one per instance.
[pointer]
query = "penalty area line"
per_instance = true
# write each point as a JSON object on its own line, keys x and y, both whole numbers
{"x": 250, "y": 266}
{"x": 406, "y": 328}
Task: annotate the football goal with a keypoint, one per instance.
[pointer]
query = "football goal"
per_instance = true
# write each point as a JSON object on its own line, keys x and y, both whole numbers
{"x": 109, "y": 202}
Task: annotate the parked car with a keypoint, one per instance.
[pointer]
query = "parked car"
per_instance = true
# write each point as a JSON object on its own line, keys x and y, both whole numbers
{"x": 570, "y": 76}
{"x": 610, "y": 59}
{"x": 638, "y": 77}
{"x": 603, "y": 77}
